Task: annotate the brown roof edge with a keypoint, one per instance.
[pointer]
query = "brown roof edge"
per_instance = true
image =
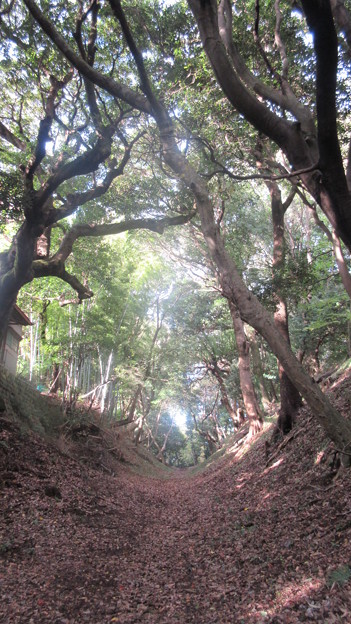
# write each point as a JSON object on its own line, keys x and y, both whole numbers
{"x": 18, "y": 317}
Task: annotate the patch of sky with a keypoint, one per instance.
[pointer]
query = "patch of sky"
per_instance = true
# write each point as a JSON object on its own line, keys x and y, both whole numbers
{"x": 179, "y": 417}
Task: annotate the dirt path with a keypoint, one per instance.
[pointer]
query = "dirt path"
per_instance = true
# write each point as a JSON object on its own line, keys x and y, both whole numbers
{"x": 241, "y": 542}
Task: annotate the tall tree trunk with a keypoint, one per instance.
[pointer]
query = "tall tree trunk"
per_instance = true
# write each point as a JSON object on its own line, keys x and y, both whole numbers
{"x": 290, "y": 399}
{"x": 43, "y": 318}
{"x": 214, "y": 369}
{"x": 258, "y": 370}
{"x": 146, "y": 407}
{"x": 246, "y": 384}
{"x": 14, "y": 274}
{"x": 55, "y": 382}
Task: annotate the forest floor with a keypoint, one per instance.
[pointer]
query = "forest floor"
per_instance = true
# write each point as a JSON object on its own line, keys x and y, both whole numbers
{"x": 84, "y": 537}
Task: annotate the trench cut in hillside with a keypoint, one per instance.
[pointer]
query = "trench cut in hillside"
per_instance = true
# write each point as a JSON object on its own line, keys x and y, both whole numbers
{"x": 95, "y": 533}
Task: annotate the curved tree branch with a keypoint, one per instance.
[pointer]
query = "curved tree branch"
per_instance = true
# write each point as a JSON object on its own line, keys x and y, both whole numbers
{"x": 45, "y": 124}
{"x": 105, "y": 82}
{"x": 89, "y": 57}
{"x": 284, "y": 98}
{"x": 79, "y": 199}
{"x": 107, "y": 229}
{"x": 255, "y": 111}
{"x": 55, "y": 266}
{"x": 82, "y": 165}
{"x": 343, "y": 20}
{"x": 51, "y": 268}
{"x": 6, "y": 134}
{"x": 320, "y": 21}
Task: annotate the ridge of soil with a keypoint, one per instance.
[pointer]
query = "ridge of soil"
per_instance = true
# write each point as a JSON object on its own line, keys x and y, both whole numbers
{"x": 87, "y": 536}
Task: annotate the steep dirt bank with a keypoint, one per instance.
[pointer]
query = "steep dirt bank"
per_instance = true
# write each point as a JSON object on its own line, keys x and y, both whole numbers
{"x": 239, "y": 542}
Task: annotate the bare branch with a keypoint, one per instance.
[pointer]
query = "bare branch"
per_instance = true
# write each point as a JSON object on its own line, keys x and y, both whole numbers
{"x": 343, "y": 19}
{"x": 6, "y": 134}
{"x": 107, "y": 229}
{"x": 156, "y": 107}
{"x": 89, "y": 57}
{"x": 46, "y": 123}
{"x": 82, "y": 165}
{"x": 289, "y": 199}
{"x": 79, "y": 199}
{"x": 82, "y": 290}
{"x": 264, "y": 56}
{"x": 254, "y": 176}
{"x": 279, "y": 42}
{"x": 53, "y": 268}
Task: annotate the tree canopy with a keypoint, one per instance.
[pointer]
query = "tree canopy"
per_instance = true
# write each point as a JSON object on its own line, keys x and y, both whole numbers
{"x": 179, "y": 130}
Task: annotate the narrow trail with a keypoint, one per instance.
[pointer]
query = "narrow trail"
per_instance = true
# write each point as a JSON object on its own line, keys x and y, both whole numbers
{"x": 240, "y": 542}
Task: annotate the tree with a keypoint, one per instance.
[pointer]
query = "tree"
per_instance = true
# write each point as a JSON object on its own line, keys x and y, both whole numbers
{"x": 246, "y": 384}
{"x": 315, "y": 153}
{"x": 233, "y": 288}
{"x": 92, "y": 140}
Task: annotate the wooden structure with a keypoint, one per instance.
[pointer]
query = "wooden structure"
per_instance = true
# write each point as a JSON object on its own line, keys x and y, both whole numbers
{"x": 13, "y": 336}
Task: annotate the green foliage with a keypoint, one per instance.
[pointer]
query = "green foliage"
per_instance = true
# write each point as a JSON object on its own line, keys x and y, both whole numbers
{"x": 11, "y": 197}
{"x": 157, "y": 311}
{"x": 339, "y": 576}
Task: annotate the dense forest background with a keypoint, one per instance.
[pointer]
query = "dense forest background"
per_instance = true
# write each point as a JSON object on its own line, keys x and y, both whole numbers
{"x": 175, "y": 214}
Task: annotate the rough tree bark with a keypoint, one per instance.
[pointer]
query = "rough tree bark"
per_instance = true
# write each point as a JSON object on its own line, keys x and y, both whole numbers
{"x": 290, "y": 399}
{"x": 247, "y": 388}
